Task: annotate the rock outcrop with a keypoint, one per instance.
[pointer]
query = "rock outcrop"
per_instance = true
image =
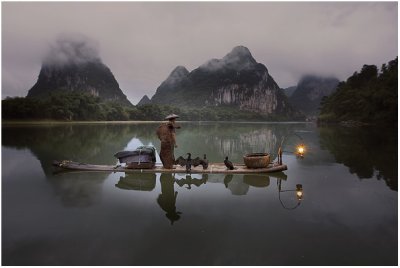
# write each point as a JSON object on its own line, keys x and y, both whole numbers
{"x": 236, "y": 80}
{"x": 145, "y": 100}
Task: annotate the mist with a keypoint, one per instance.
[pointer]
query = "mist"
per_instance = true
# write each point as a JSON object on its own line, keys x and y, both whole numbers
{"x": 142, "y": 42}
{"x": 72, "y": 49}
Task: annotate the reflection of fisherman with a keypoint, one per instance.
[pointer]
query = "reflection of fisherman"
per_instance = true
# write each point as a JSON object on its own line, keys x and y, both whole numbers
{"x": 166, "y": 134}
{"x": 166, "y": 200}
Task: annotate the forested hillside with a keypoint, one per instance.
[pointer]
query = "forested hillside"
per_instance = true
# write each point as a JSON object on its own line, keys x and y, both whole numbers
{"x": 79, "y": 106}
{"x": 368, "y": 96}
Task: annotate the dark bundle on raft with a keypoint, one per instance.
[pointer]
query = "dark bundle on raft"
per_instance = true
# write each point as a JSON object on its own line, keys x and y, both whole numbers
{"x": 142, "y": 157}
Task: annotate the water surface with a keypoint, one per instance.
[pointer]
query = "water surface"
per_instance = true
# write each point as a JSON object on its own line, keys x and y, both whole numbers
{"x": 347, "y": 216}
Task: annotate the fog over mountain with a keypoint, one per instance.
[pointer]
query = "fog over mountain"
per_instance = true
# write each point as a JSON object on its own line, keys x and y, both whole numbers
{"x": 73, "y": 64}
{"x": 72, "y": 49}
{"x": 141, "y": 42}
{"x": 309, "y": 92}
{"x": 239, "y": 59}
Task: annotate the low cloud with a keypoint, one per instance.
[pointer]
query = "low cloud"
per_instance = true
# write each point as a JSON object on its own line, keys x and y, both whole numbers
{"x": 72, "y": 49}
{"x": 142, "y": 42}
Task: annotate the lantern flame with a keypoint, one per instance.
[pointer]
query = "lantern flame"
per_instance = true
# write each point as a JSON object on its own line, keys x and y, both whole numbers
{"x": 301, "y": 149}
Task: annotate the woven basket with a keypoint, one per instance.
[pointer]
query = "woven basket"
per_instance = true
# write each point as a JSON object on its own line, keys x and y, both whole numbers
{"x": 256, "y": 160}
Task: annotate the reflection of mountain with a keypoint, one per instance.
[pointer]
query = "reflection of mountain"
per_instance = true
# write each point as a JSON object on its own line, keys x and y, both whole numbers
{"x": 233, "y": 140}
{"x": 364, "y": 151}
{"x": 92, "y": 143}
{"x": 84, "y": 143}
{"x": 240, "y": 184}
{"x": 263, "y": 140}
{"x": 97, "y": 143}
{"x": 78, "y": 189}
{"x": 236, "y": 185}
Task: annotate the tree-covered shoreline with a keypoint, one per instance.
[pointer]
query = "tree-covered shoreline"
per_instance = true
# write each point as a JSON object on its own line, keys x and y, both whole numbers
{"x": 366, "y": 97}
{"x": 80, "y": 106}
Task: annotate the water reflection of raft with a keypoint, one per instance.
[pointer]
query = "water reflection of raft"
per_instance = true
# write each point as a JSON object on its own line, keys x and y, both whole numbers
{"x": 219, "y": 168}
{"x": 142, "y": 182}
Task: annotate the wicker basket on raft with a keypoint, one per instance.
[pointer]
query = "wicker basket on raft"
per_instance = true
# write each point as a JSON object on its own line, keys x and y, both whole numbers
{"x": 256, "y": 160}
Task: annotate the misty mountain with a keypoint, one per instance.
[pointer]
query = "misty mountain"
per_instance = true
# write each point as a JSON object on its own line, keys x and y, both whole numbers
{"x": 74, "y": 65}
{"x": 289, "y": 91}
{"x": 145, "y": 100}
{"x": 236, "y": 81}
{"x": 309, "y": 92}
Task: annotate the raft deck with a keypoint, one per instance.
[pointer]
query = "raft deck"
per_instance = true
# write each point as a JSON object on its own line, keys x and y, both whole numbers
{"x": 213, "y": 168}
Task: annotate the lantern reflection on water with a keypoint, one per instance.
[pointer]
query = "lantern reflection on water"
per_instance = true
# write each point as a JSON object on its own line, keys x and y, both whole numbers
{"x": 299, "y": 194}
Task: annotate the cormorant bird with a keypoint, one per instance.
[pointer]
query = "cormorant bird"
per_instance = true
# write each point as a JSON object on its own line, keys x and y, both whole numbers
{"x": 182, "y": 161}
{"x": 196, "y": 161}
{"x": 204, "y": 162}
{"x": 228, "y": 164}
{"x": 188, "y": 162}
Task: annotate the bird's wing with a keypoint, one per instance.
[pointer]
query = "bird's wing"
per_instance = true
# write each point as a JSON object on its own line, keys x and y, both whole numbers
{"x": 197, "y": 182}
{"x": 180, "y": 182}
{"x": 180, "y": 161}
{"x": 196, "y": 161}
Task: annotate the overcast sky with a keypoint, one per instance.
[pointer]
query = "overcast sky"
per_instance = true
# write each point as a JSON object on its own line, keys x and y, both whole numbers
{"x": 142, "y": 42}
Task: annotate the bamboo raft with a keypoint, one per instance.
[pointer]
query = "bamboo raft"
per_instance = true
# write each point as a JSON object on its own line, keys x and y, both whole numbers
{"x": 213, "y": 168}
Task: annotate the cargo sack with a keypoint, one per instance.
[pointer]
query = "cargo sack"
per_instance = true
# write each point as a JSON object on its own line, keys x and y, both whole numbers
{"x": 144, "y": 157}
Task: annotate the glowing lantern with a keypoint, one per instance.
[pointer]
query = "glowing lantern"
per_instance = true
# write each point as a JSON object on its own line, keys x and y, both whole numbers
{"x": 301, "y": 149}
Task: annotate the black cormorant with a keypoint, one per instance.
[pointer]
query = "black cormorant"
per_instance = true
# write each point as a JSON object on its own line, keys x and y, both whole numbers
{"x": 228, "y": 164}
{"x": 188, "y": 163}
{"x": 204, "y": 162}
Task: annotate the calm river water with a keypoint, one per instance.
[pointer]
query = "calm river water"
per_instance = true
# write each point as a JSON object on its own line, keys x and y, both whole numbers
{"x": 348, "y": 214}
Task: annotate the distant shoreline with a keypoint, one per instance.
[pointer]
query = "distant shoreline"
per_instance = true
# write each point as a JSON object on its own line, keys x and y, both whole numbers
{"x": 54, "y": 122}
{"x": 49, "y": 122}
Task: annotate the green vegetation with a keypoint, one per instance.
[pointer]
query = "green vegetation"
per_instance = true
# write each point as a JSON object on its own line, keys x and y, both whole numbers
{"x": 368, "y": 97}
{"x": 79, "y": 106}
{"x": 63, "y": 106}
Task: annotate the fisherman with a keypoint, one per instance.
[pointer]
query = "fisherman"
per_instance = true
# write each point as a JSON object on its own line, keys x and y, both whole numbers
{"x": 166, "y": 134}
